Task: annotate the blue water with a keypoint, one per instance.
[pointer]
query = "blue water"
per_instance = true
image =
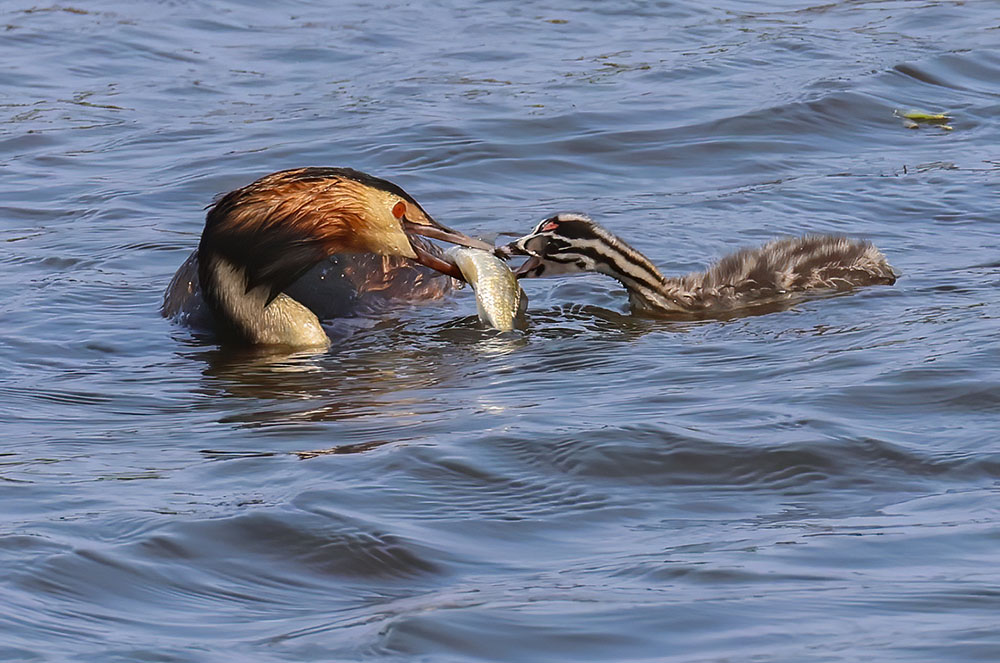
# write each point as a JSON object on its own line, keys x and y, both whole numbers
{"x": 816, "y": 484}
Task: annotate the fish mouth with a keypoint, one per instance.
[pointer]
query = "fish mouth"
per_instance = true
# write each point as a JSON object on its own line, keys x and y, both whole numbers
{"x": 429, "y": 255}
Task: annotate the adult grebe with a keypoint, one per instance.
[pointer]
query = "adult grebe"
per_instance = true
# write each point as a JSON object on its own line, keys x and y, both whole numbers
{"x": 571, "y": 243}
{"x": 259, "y": 239}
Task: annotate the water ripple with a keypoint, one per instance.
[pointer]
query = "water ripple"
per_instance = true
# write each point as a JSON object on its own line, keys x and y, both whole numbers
{"x": 598, "y": 486}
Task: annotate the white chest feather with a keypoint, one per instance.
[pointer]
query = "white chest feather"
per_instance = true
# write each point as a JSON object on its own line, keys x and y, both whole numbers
{"x": 283, "y": 321}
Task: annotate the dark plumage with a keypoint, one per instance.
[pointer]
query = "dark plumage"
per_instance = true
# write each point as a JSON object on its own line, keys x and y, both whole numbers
{"x": 778, "y": 270}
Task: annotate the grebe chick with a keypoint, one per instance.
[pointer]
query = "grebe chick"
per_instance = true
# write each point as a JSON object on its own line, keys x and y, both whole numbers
{"x": 259, "y": 239}
{"x": 571, "y": 243}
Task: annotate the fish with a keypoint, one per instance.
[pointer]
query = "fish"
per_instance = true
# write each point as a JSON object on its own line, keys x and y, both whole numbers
{"x": 500, "y": 301}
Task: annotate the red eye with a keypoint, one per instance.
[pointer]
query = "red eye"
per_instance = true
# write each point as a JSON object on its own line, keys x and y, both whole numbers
{"x": 399, "y": 209}
{"x": 551, "y": 225}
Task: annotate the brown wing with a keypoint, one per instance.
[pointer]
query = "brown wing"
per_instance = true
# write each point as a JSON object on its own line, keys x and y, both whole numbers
{"x": 340, "y": 286}
{"x": 380, "y": 281}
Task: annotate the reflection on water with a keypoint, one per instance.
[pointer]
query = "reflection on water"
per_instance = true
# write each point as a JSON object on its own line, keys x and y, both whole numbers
{"x": 595, "y": 486}
{"x": 361, "y": 447}
{"x": 389, "y": 371}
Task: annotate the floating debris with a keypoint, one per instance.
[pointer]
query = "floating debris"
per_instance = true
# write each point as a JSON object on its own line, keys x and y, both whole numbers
{"x": 912, "y": 119}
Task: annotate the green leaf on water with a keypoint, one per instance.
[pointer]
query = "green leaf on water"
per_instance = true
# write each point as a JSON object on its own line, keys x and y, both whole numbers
{"x": 912, "y": 119}
{"x": 924, "y": 116}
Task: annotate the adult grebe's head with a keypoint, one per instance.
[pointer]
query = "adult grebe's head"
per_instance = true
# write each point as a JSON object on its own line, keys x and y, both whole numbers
{"x": 278, "y": 227}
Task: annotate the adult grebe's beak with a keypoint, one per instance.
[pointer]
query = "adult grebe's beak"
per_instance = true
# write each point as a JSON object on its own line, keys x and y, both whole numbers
{"x": 427, "y": 227}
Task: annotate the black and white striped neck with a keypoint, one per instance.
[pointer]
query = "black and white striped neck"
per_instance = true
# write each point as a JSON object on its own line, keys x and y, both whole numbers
{"x": 572, "y": 243}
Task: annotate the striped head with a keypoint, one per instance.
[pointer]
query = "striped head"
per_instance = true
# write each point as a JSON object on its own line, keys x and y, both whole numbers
{"x": 569, "y": 243}
{"x": 558, "y": 245}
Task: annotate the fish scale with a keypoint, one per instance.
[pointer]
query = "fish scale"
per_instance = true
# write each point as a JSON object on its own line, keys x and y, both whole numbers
{"x": 499, "y": 298}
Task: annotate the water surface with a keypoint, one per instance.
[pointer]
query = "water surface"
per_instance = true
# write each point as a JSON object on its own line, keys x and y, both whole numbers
{"x": 816, "y": 484}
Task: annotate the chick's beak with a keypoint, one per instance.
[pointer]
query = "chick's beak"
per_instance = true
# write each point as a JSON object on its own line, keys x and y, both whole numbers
{"x": 516, "y": 248}
{"x": 435, "y": 230}
{"x": 508, "y": 251}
